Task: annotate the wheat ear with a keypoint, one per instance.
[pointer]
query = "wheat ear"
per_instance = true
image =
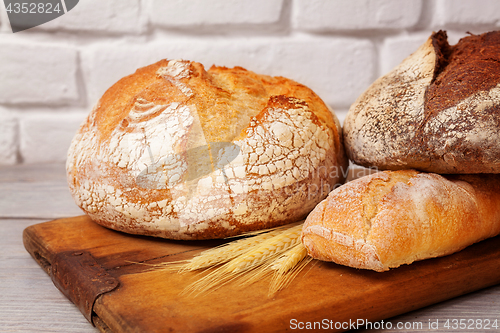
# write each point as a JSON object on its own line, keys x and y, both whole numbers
{"x": 222, "y": 253}
{"x": 226, "y": 252}
{"x": 287, "y": 266}
{"x": 268, "y": 249}
{"x": 264, "y": 252}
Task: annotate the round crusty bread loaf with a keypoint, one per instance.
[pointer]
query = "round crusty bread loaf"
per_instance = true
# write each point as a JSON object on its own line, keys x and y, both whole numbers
{"x": 438, "y": 111}
{"x": 179, "y": 152}
{"x": 391, "y": 218}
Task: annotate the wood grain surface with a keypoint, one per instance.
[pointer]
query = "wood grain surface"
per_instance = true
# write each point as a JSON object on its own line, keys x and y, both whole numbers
{"x": 29, "y": 302}
{"x": 322, "y": 291}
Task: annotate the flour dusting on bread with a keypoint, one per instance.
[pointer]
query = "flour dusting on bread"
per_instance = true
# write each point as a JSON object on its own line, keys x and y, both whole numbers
{"x": 415, "y": 216}
{"x": 179, "y": 152}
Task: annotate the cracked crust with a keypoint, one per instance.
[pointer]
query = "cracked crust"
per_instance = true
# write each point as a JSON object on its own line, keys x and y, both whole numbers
{"x": 391, "y": 218}
{"x": 438, "y": 111}
{"x": 178, "y": 152}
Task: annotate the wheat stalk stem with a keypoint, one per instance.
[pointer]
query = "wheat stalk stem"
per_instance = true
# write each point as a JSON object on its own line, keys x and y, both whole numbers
{"x": 278, "y": 252}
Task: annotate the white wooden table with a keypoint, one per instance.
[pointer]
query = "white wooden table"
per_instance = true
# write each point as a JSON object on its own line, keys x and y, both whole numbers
{"x": 29, "y": 302}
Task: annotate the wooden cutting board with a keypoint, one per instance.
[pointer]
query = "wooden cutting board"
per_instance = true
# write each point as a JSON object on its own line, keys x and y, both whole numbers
{"x": 98, "y": 269}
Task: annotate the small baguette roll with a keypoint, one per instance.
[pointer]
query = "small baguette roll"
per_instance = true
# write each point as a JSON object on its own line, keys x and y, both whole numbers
{"x": 391, "y": 218}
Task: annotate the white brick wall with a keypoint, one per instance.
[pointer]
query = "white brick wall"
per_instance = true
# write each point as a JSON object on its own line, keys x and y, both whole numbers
{"x": 37, "y": 73}
{"x": 102, "y": 17}
{"x": 460, "y": 14}
{"x": 45, "y": 136}
{"x": 321, "y": 15}
{"x": 181, "y": 13}
{"x": 8, "y": 138}
{"x": 51, "y": 75}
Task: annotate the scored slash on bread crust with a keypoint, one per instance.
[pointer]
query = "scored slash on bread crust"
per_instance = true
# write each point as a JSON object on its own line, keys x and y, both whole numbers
{"x": 391, "y": 218}
{"x": 139, "y": 162}
{"x": 438, "y": 111}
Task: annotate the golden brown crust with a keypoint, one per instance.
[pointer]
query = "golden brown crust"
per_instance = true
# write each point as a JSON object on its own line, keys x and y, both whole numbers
{"x": 178, "y": 152}
{"x": 438, "y": 111}
{"x": 393, "y": 218}
{"x": 220, "y": 95}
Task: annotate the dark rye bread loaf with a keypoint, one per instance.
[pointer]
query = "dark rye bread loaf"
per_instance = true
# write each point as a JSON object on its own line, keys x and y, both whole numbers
{"x": 438, "y": 111}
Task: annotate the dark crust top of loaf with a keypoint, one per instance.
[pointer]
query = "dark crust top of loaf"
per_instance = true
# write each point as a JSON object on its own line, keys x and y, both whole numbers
{"x": 438, "y": 111}
{"x": 472, "y": 65}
